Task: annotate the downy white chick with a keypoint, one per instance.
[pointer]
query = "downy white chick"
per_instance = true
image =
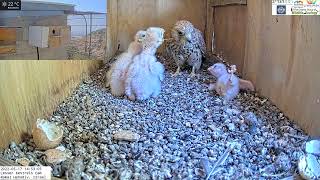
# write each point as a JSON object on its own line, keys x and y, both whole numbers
{"x": 145, "y": 73}
{"x": 117, "y": 73}
{"x": 228, "y": 84}
{"x": 134, "y": 48}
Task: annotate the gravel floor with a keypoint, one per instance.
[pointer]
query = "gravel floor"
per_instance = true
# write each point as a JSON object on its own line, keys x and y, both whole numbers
{"x": 180, "y": 132}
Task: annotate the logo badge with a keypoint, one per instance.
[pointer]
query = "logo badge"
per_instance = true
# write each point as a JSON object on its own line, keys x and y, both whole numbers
{"x": 281, "y": 9}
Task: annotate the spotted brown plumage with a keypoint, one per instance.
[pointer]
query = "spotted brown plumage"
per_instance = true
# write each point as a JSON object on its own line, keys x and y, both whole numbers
{"x": 187, "y": 46}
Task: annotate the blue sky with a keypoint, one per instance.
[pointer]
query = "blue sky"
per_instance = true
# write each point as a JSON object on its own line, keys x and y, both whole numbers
{"x": 85, "y": 5}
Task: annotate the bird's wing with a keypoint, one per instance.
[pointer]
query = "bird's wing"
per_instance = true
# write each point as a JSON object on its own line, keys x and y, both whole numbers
{"x": 171, "y": 50}
{"x": 200, "y": 41}
{"x": 168, "y": 48}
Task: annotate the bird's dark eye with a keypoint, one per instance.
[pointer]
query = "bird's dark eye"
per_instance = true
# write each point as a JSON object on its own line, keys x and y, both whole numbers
{"x": 180, "y": 33}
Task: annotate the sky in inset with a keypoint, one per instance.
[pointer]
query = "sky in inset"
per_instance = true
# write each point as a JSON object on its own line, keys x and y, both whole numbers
{"x": 84, "y": 5}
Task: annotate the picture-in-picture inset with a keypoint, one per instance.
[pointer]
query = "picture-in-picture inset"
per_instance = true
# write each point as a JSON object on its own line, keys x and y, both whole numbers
{"x": 53, "y": 30}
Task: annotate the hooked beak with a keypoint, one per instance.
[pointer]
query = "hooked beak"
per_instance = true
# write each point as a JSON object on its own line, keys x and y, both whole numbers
{"x": 210, "y": 70}
{"x": 188, "y": 37}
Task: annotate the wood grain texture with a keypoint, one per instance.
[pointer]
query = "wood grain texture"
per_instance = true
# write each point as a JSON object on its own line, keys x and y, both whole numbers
{"x": 282, "y": 60}
{"x": 7, "y": 34}
{"x": 8, "y": 38}
{"x": 209, "y": 27}
{"x": 7, "y": 49}
{"x": 227, "y": 2}
{"x": 61, "y": 36}
{"x": 126, "y": 17}
{"x": 230, "y": 29}
{"x": 112, "y": 28}
{"x": 32, "y": 89}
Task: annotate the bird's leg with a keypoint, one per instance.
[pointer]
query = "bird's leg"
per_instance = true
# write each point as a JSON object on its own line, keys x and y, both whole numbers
{"x": 107, "y": 84}
{"x": 108, "y": 79}
{"x": 193, "y": 72}
{"x": 177, "y": 72}
{"x": 132, "y": 97}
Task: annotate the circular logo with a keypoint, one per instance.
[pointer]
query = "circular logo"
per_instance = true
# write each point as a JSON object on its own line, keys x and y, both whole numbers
{"x": 281, "y": 9}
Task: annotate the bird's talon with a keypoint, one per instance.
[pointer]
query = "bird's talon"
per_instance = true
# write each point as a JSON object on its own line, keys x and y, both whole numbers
{"x": 176, "y": 74}
{"x": 132, "y": 98}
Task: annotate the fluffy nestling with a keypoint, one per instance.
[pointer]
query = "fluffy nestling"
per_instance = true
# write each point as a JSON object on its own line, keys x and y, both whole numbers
{"x": 145, "y": 73}
{"x": 117, "y": 73}
{"x": 228, "y": 84}
{"x": 187, "y": 46}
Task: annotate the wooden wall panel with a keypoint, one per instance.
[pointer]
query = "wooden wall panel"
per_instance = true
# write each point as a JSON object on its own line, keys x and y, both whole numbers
{"x": 7, "y": 34}
{"x": 8, "y": 38}
{"x": 61, "y": 36}
{"x": 282, "y": 60}
{"x": 7, "y": 49}
{"x": 209, "y": 36}
{"x": 112, "y": 28}
{"x": 126, "y": 17}
{"x": 32, "y": 89}
{"x": 227, "y": 2}
{"x": 230, "y": 23}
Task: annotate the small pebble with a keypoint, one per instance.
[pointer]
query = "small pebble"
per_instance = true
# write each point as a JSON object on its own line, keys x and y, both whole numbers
{"x": 126, "y": 136}
{"x": 23, "y": 161}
